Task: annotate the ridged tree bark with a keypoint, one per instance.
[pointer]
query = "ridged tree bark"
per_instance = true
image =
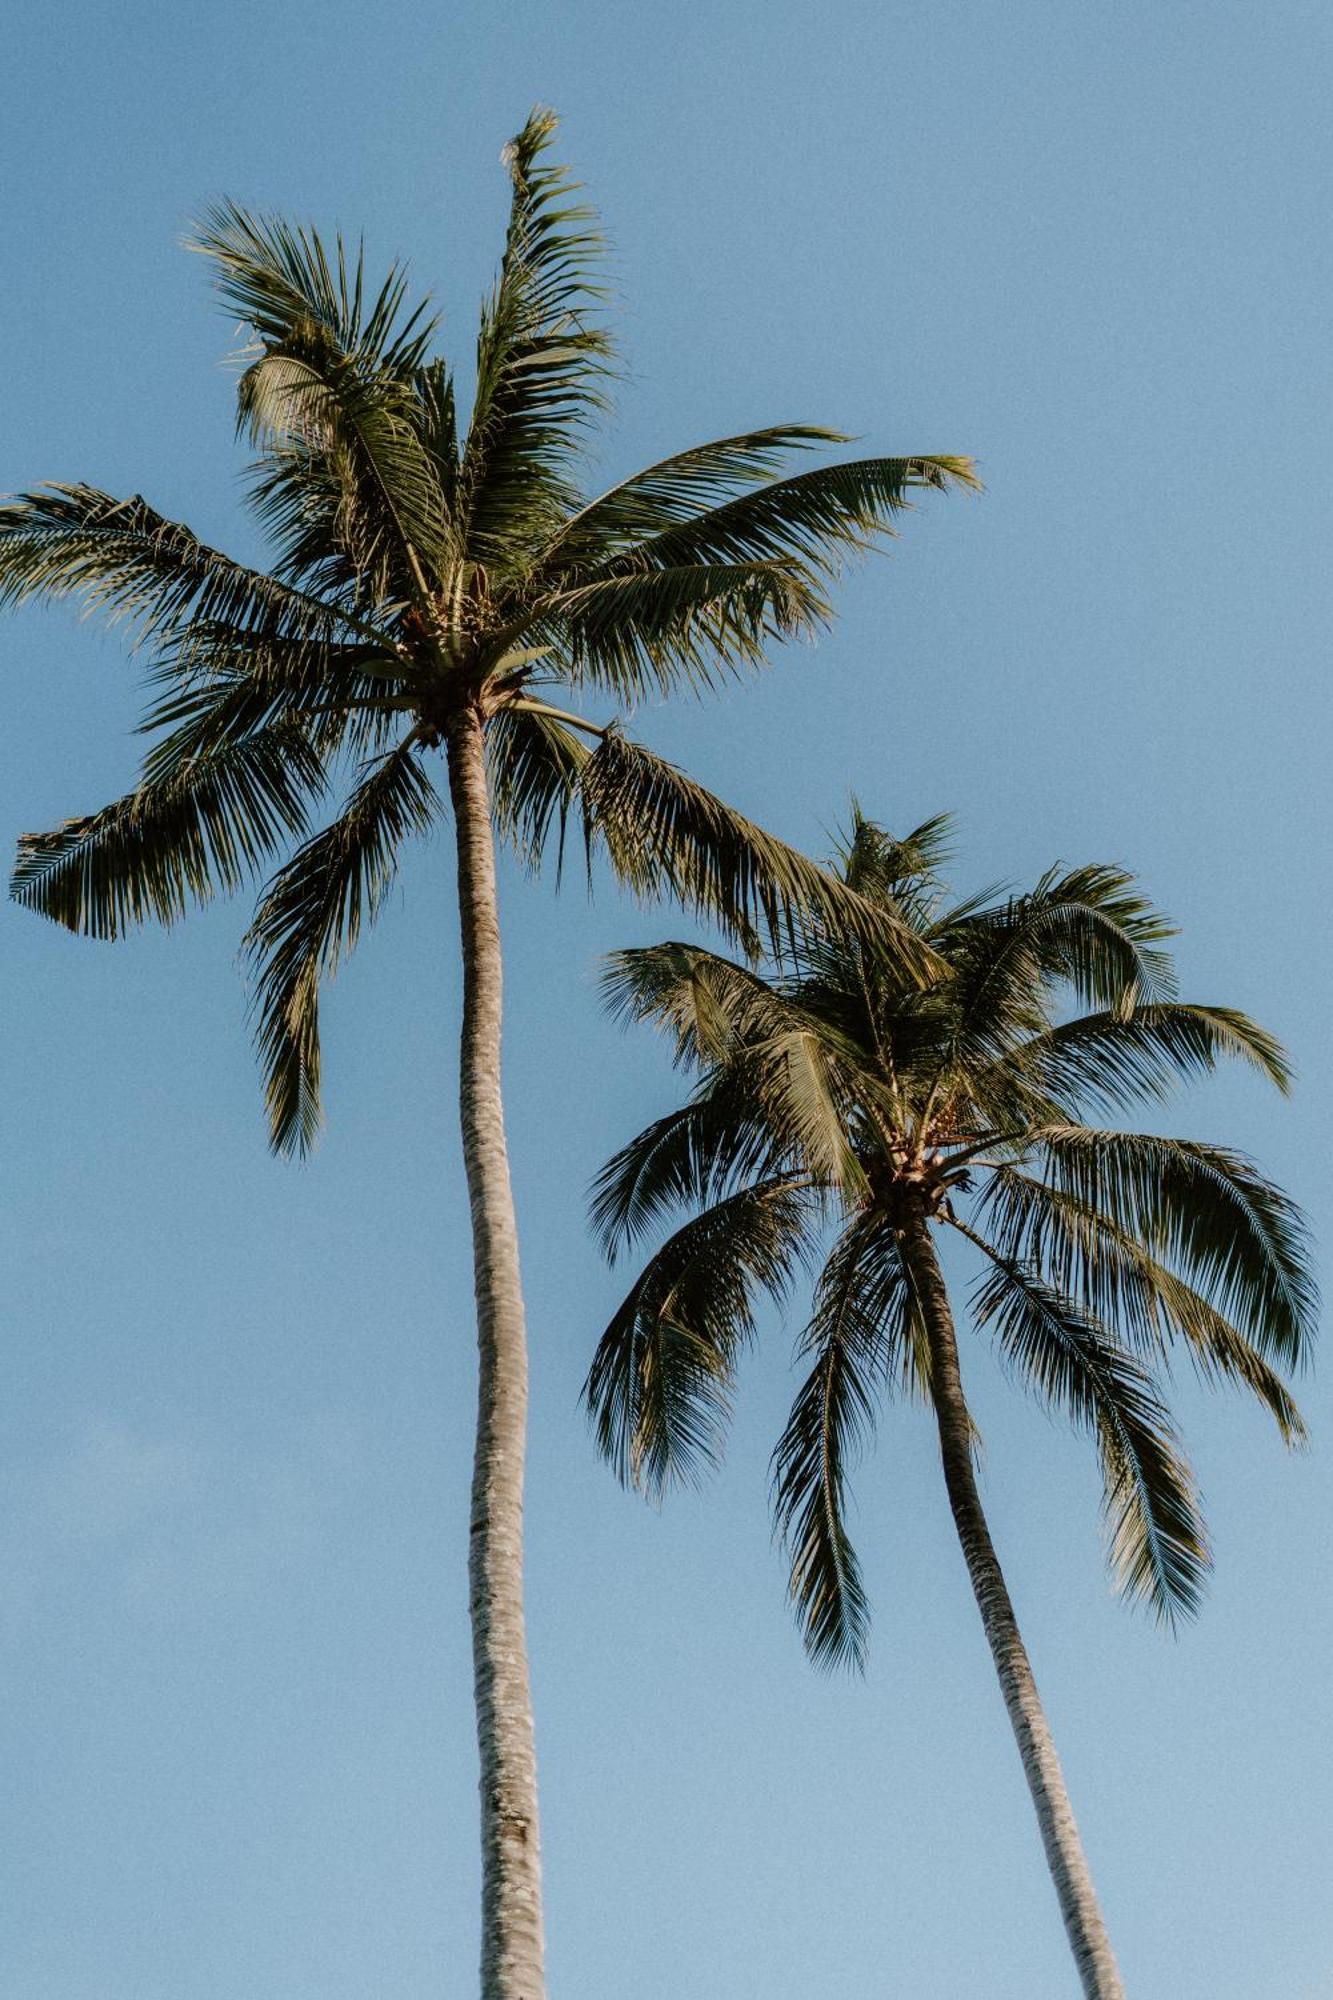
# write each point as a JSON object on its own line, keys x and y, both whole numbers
{"x": 512, "y": 1948}
{"x": 1065, "y": 1858}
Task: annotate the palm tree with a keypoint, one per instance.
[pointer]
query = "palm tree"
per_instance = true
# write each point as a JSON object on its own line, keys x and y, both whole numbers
{"x": 847, "y": 1113}
{"x": 430, "y": 589}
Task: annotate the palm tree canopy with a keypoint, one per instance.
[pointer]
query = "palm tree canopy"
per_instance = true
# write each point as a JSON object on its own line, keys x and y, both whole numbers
{"x": 836, "y": 1096}
{"x": 423, "y": 563}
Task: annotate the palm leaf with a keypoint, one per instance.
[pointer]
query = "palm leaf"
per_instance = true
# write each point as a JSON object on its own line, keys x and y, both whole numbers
{"x": 205, "y": 827}
{"x": 127, "y": 561}
{"x": 1158, "y": 1543}
{"x": 659, "y": 1389}
{"x": 666, "y": 835}
{"x": 859, "y": 1301}
{"x": 311, "y": 916}
{"x": 541, "y": 362}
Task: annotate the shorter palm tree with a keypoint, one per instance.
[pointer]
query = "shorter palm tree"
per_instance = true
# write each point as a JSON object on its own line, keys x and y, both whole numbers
{"x": 847, "y": 1112}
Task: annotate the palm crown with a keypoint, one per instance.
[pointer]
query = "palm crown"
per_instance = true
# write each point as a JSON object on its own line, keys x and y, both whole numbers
{"x": 421, "y": 570}
{"x": 839, "y": 1103}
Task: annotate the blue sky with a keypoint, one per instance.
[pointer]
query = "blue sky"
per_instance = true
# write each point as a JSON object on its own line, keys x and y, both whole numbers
{"x": 1087, "y": 245}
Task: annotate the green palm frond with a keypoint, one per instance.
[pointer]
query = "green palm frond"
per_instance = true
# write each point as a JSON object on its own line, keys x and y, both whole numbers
{"x": 859, "y": 1306}
{"x": 659, "y": 1389}
{"x": 664, "y": 835}
{"x": 311, "y": 916}
{"x": 1113, "y": 1058}
{"x": 1158, "y": 1543}
{"x": 536, "y": 763}
{"x": 675, "y": 490}
{"x": 814, "y": 518}
{"x": 344, "y": 481}
{"x": 203, "y": 829}
{"x": 696, "y": 624}
{"x": 279, "y": 279}
{"x": 128, "y": 562}
{"x": 1209, "y": 1213}
{"x": 1112, "y": 1274}
{"x": 542, "y": 361}
{"x": 694, "y": 1156}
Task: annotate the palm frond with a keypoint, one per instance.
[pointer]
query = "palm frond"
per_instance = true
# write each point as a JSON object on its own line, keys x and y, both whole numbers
{"x": 659, "y": 1389}
{"x": 542, "y": 362}
{"x": 1158, "y": 1543}
{"x": 693, "y": 1156}
{"x": 664, "y": 835}
{"x": 1206, "y": 1211}
{"x": 1112, "y": 1274}
{"x": 695, "y": 625}
{"x": 279, "y": 279}
{"x": 536, "y": 763}
{"x": 1111, "y": 1058}
{"x": 202, "y": 828}
{"x": 128, "y": 562}
{"x": 674, "y": 490}
{"x": 311, "y": 915}
{"x": 860, "y": 1297}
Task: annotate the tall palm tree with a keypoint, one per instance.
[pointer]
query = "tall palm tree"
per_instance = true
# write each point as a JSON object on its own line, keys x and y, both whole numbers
{"x": 849, "y": 1114}
{"x": 432, "y": 589}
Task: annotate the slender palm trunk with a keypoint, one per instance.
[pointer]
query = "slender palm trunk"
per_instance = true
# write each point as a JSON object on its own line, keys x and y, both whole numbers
{"x": 1064, "y": 1851}
{"x": 511, "y": 1950}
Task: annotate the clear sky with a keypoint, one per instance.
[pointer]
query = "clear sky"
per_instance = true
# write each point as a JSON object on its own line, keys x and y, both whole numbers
{"x": 1087, "y": 244}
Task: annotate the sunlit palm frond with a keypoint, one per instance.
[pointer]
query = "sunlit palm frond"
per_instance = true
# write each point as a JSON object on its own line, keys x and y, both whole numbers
{"x": 127, "y": 562}
{"x": 542, "y": 360}
{"x": 280, "y": 280}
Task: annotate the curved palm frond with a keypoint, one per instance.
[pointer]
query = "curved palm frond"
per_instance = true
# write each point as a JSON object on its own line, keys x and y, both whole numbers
{"x": 659, "y": 1389}
{"x": 1233, "y": 1235}
{"x": 1112, "y": 1058}
{"x": 311, "y": 916}
{"x": 127, "y": 561}
{"x": 701, "y": 623}
{"x": 674, "y": 490}
{"x": 178, "y": 840}
{"x": 667, "y": 836}
{"x": 1113, "y": 1275}
{"x": 1158, "y": 1543}
{"x": 855, "y": 1326}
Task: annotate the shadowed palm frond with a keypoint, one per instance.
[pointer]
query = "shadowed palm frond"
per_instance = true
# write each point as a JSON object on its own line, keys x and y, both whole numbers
{"x": 1158, "y": 1543}
{"x": 1108, "y": 1059}
{"x": 1207, "y": 1211}
{"x": 856, "y": 1326}
{"x": 1113, "y": 1275}
{"x": 675, "y": 490}
{"x": 666, "y": 836}
{"x": 311, "y": 916}
{"x": 205, "y": 828}
{"x": 659, "y": 1388}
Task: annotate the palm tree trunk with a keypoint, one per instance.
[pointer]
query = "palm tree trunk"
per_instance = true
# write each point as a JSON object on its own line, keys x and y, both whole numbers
{"x": 511, "y": 1950}
{"x": 1065, "y": 1858}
